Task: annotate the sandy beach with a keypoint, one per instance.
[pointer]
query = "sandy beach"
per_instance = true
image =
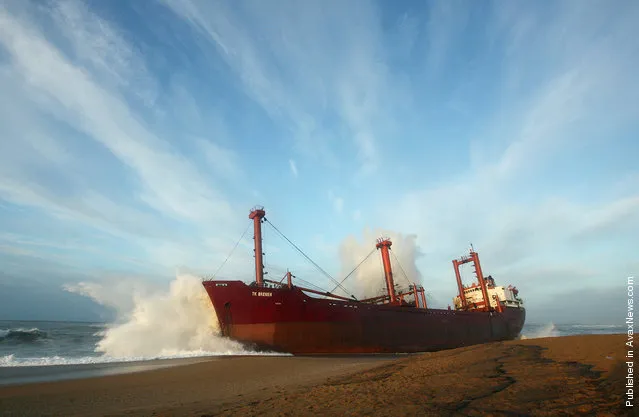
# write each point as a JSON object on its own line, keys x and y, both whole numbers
{"x": 573, "y": 375}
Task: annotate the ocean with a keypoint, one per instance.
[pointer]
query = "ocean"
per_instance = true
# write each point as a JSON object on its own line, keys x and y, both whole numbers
{"x": 41, "y": 343}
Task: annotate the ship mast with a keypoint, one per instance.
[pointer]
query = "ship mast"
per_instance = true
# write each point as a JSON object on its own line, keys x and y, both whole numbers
{"x": 474, "y": 258}
{"x": 480, "y": 278}
{"x": 384, "y": 244}
{"x": 462, "y": 296}
{"x": 257, "y": 214}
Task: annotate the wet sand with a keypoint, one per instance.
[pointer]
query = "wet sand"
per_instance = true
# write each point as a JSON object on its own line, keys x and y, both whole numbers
{"x": 26, "y": 374}
{"x": 576, "y": 375}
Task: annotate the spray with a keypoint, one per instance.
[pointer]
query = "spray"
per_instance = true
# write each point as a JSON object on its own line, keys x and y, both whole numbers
{"x": 180, "y": 322}
{"x": 368, "y": 280}
{"x": 547, "y": 330}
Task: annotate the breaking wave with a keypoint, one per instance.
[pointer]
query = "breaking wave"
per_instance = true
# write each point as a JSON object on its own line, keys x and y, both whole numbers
{"x": 535, "y": 331}
{"x": 177, "y": 323}
{"x": 181, "y": 321}
{"x": 547, "y": 330}
{"x": 22, "y": 335}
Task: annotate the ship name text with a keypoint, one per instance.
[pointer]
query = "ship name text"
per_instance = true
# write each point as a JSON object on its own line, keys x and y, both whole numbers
{"x": 262, "y": 294}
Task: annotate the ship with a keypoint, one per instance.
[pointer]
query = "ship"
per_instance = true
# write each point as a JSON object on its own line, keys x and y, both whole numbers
{"x": 281, "y": 316}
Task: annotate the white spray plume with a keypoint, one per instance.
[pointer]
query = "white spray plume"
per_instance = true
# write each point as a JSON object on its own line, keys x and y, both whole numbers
{"x": 180, "y": 322}
{"x": 368, "y": 280}
{"x": 120, "y": 295}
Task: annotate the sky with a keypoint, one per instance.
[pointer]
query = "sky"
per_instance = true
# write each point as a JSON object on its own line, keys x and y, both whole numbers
{"x": 136, "y": 136}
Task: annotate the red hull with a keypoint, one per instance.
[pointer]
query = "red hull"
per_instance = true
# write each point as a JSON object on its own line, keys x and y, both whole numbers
{"x": 288, "y": 320}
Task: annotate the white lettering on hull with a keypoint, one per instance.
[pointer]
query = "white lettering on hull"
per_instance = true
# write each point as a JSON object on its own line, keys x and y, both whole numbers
{"x": 261, "y": 294}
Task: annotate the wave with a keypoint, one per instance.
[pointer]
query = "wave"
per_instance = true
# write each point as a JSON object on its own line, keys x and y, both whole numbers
{"x": 598, "y": 326}
{"x": 13, "y": 361}
{"x": 181, "y": 319}
{"x": 548, "y": 330}
{"x": 153, "y": 324}
{"x": 22, "y": 335}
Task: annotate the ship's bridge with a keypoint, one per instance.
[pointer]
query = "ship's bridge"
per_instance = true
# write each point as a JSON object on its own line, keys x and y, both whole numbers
{"x": 506, "y": 295}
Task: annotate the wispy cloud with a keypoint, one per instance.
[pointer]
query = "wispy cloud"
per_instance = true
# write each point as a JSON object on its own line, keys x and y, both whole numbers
{"x": 105, "y": 118}
{"x": 512, "y": 126}
{"x": 293, "y": 166}
{"x": 303, "y": 73}
{"x": 85, "y": 109}
{"x": 511, "y": 202}
{"x": 104, "y": 51}
{"x": 336, "y": 201}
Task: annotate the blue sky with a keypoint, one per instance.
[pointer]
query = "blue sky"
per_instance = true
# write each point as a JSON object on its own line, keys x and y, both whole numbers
{"x": 136, "y": 136}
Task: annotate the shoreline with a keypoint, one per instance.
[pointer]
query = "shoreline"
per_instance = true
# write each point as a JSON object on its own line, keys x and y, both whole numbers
{"x": 547, "y": 376}
{"x": 19, "y": 375}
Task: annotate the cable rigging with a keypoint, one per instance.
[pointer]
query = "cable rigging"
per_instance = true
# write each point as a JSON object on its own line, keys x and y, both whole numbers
{"x": 310, "y": 284}
{"x": 309, "y": 259}
{"x": 232, "y": 250}
{"x": 355, "y": 269}
{"x": 400, "y": 267}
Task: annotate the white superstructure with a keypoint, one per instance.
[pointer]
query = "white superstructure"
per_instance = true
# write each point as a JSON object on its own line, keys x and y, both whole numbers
{"x": 507, "y": 296}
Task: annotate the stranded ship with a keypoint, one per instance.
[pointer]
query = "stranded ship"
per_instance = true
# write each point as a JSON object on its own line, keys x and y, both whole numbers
{"x": 284, "y": 317}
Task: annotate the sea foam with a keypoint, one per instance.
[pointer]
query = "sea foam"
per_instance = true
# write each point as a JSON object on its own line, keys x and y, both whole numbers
{"x": 180, "y": 321}
{"x": 547, "y": 330}
{"x": 13, "y": 361}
